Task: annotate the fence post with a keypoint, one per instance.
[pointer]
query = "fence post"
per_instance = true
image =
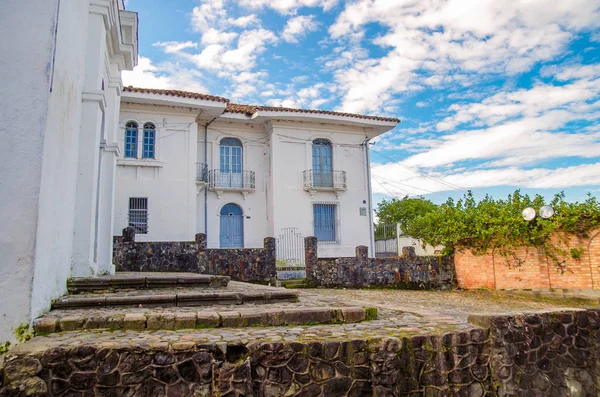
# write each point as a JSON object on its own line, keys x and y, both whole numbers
{"x": 202, "y": 255}
{"x": 398, "y": 233}
{"x": 129, "y": 235}
{"x": 310, "y": 256}
{"x": 271, "y": 262}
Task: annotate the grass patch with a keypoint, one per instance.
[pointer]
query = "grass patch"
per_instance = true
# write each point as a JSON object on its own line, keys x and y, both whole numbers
{"x": 370, "y": 313}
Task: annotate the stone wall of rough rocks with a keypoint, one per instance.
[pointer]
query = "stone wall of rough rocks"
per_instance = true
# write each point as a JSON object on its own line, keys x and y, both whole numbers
{"x": 354, "y": 368}
{"x": 247, "y": 264}
{"x": 241, "y": 264}
{"x": 406, "y": 271}
{"x": 551, "y": 354}
{"x": 548, "y": 354}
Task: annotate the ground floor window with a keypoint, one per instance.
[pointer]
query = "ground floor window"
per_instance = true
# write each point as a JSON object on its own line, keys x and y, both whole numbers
{"x": 138, "y": 214}
{"x": 326, "y": 221}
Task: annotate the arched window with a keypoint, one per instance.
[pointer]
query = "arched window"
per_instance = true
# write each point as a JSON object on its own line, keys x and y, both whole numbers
{"x": 131, "y": 135}
{"x": 230, "y": 162}
{"x": 322, "y": 161}
{"x": 149, "y": 141}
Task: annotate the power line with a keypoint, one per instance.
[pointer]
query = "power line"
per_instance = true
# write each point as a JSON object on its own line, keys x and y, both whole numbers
{"x": 397, "y": 184}
{"x": 443, "y": 182}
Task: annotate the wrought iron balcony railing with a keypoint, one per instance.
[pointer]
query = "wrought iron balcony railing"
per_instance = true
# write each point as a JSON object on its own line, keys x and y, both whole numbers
{"x": 324, "y": 180}
{"x": 201, "y": 172}
{"x": 241, "y": 181}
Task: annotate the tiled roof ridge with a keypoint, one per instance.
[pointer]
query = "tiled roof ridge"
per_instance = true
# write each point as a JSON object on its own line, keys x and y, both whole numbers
{"x": 251, "y": 109}
{"x": 177, "y": 93}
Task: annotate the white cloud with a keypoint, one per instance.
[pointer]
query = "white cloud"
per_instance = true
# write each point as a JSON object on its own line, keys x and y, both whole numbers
{"x": 171, "y": 47}
{"x": 400, "y": 181}
{"x": 298, "y": 27}
{"x": 287, "y": 7}
{"x": 214, "y": 36}
{"x": 244, "y": 22}
{"x": 438, "y": 39}
{"x": 163, "y": 76}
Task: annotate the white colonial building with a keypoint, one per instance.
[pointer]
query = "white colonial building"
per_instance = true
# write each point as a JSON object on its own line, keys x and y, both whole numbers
{"x": 192, "y": 163}
{"x": 60, "y": 74}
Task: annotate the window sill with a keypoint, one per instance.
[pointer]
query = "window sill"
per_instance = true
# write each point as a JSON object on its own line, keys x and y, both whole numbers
{"x": 140, "y": 162}
{"x": 328, "y": 242}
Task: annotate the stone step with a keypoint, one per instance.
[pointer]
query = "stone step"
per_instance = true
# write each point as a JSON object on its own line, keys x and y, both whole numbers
{"x": 184, "y": 318}
{"x": 294, "y": 283}
{"x": 157, "y": 298}
{"x": 134, "y": 280}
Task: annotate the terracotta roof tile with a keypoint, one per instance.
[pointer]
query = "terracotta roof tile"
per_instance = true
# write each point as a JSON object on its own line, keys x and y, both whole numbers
{"x": 177, "y": 93}
{"x": 251, "y": 109}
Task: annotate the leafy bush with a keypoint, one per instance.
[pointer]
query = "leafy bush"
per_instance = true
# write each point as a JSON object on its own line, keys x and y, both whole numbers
{"x": 498, "y": 225}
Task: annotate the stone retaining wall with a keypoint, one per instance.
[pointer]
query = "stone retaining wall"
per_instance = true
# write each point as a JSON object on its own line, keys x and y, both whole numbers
{"x": 551, "y": 354}
{"x": 241, "y": 264}
{"x": 407, "y": 271}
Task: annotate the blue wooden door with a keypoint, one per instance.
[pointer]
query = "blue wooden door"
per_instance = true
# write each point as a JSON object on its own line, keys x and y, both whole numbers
{"x": 322, "y": 163}
{"x": 232, "y": 227}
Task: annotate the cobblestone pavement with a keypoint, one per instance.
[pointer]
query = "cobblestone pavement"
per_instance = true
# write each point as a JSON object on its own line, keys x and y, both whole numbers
{"x": 432, "y": 304}
{"x": 401, "y": 313}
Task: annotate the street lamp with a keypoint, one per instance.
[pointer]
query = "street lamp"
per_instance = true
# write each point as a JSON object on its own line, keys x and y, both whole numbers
{"x": 546, "y": 212}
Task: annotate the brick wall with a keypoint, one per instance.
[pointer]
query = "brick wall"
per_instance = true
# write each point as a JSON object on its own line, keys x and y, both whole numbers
{"x": 531, "y": 268}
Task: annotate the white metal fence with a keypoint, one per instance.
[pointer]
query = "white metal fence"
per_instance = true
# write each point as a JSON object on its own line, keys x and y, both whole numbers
{"x": 389, "y": 241}
{"x": 289, "y": 249}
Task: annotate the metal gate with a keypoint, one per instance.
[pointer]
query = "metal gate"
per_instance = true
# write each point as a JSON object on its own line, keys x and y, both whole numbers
{"x": 386, "y": 240}
{"x": 289, "y": 250}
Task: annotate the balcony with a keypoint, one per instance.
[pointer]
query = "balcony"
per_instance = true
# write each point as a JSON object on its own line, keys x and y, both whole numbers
{"x": 201, "y": 176}
{"x": 220, "y": 182}
{"x": 201, "y": 172}
{"x": 328, "y": 181}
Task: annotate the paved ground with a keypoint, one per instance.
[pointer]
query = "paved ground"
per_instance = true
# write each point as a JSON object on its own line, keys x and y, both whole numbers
{"x": 401, "y": 313}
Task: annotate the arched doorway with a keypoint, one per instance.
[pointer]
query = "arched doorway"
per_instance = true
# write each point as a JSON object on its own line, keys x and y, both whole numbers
{"x": 232, "y": 226}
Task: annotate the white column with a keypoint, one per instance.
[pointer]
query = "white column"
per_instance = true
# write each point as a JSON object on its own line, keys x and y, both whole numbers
{"x": 110, "y": 150}
{"x": 93, "y": 107}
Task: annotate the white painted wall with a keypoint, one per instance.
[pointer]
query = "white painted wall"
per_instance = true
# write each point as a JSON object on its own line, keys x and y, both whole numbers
{"x": 292, "y": 206}
{"x": 25, "y": 68}
{"x": 168, "y": 181}
{"x": 254, "y": 205}
{"x": 278, "y": 153}
{"x": 42, "y": 73}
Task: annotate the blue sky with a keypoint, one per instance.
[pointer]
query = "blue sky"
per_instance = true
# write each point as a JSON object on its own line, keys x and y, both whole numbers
{"x": 493, "y": 95}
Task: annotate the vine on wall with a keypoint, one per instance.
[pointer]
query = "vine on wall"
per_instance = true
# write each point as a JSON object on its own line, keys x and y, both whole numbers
{"x": 498, "y": 226}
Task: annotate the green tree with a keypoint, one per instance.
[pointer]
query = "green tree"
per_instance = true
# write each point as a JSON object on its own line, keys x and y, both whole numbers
{"x": 403, "y": 211}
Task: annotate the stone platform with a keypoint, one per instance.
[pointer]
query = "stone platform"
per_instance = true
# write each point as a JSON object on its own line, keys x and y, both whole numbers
{"x": 136, "y": 280}
{"x": 421, "y": 343}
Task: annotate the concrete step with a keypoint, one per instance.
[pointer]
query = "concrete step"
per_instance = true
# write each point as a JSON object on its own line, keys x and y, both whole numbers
{"x": 135, "y": 280}
{"x": 189, "y": 297}
{"x": 189, "y": 318}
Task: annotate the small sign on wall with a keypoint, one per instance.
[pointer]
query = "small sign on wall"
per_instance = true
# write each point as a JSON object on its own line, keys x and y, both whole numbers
{"x": 363, "y": 211}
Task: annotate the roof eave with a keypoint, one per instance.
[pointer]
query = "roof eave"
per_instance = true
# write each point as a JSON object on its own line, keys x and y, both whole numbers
{"x": 379, "y": 125}
{"x": 208, "y": 106}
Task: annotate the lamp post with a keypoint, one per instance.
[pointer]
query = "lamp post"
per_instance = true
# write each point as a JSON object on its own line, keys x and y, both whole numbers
{"x": 545, "y": 212}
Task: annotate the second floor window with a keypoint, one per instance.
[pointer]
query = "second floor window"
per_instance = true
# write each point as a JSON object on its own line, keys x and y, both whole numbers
{"x": 149, "y": 141}
{"x": 131, "y": 137}
{"x": 322, "y": 163}
{"x": 230, "y": 163}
